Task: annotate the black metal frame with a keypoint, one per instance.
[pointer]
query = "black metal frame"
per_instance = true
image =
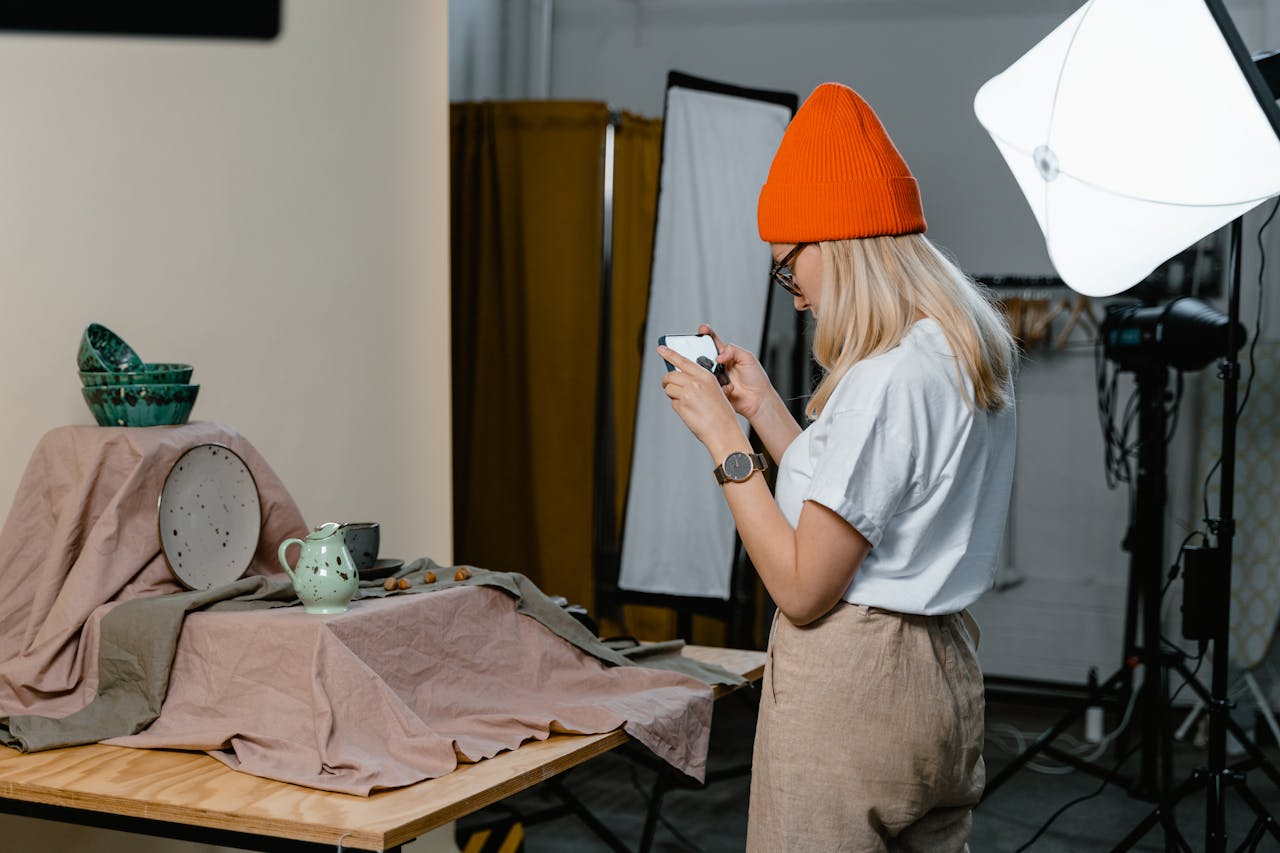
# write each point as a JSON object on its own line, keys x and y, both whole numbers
{"x": 223, "y": 19}
{"x": 170, "y": 829}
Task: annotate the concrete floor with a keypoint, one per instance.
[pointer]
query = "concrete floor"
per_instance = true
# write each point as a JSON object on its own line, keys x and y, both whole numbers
{"x": 714, "y": 818}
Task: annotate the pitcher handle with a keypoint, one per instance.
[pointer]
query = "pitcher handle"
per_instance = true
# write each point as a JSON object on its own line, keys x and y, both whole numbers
{"x": 284, "y": 547}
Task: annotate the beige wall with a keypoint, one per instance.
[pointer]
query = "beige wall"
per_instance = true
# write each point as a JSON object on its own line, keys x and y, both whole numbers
{"x": 275, "y": 214}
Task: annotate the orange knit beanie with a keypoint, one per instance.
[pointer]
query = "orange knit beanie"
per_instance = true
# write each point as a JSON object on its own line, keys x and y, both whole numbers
{"x": 837, "y": 176}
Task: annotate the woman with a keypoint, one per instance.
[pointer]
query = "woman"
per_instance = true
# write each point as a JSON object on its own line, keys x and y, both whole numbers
{"x": 890, "y": 505}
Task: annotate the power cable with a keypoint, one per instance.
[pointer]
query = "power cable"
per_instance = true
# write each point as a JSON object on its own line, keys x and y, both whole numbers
{"x": 1253, "y": 345}
{"x": 1053, "y": 817}
{"x": 1257, "y": 320}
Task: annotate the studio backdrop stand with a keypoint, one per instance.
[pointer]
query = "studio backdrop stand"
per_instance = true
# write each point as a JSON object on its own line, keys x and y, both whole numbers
{"x": 737, "y": 610}
{"x": 681, "y": 295}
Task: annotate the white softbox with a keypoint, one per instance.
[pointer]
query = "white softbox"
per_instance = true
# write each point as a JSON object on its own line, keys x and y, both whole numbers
{"x": 1133, "y": 133}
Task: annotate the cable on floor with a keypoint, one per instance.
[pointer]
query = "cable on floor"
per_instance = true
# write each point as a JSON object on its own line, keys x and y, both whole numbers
{"x": 1082, "y": 750}
{"x": 1045, "y": 826}
{"x": 1101, "y": 787}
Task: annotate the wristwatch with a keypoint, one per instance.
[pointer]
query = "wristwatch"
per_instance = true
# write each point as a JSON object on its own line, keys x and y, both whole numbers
{"x": 738, "y": 466}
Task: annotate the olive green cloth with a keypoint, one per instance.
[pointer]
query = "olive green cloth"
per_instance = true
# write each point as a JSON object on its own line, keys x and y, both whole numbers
{"x": 135, "y": 655}
{"x": 139, "y": 639}
{"x": 532, "y": 602}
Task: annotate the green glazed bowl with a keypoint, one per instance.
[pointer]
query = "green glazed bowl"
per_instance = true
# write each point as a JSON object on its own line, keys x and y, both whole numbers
{"x": 102, "y": 349}
{"x": 140, "y": 405}
{"x": 150, "y": 374}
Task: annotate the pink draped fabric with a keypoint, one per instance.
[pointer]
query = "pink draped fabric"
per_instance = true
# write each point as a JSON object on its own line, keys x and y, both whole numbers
{"x": 399, "y": 689}
{"x": 391, "y": 692}
{"x": 81, "y": 536}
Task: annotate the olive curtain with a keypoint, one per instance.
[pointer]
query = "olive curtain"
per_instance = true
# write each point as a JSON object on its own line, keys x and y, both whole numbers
{"x": 638, "y": 154}
{"x": 527, "y": 192}
{"x": 638, "y": 164}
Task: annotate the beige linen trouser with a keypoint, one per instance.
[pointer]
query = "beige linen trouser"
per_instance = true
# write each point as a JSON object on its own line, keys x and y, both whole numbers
{"x": 870, "y": 735}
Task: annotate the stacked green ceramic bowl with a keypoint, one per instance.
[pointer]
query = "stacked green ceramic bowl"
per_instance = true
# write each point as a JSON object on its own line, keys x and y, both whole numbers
{"x": 123, "y": 390}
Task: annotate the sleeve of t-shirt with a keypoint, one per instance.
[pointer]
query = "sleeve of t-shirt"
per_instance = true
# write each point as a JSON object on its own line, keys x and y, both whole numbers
{"x": 862, "y": 471}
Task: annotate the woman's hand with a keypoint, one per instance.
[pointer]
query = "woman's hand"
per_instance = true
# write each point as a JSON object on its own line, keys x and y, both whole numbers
{"x": 749, "y": 385}
{"x": 696, "y": 396}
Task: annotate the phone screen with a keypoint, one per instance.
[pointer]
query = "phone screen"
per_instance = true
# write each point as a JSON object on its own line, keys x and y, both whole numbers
{"x": 690, "y": 346}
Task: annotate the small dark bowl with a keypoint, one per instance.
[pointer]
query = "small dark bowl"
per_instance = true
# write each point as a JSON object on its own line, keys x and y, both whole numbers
{"x": 150, "y": 374}
{"x": 102, "y": 349}
{"x": 362, "y": 540}
{"x": 140, "y": 405}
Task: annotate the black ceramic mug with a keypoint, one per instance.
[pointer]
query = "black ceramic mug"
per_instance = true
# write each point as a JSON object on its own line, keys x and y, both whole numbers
{"x": 361, "y": 538}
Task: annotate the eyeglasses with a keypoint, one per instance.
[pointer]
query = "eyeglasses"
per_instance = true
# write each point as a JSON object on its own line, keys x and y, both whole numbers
{"x": 782, "y": 273}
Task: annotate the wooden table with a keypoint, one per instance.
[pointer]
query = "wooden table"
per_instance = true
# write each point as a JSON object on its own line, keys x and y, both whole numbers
{"x": 193, "y": 796}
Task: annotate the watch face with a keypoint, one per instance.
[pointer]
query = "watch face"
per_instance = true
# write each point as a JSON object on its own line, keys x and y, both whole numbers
{"x": 737, "y": 466}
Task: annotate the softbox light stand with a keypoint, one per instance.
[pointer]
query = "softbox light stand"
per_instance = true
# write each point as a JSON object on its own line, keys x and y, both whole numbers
{"x": 1217, "y": 777}
{"x": 1080, "y": 122}
{"x": 1145, "y": 543}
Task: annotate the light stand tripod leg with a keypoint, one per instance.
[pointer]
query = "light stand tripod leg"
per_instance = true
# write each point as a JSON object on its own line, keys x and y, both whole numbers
{"x": 1265, "y": 822}
{"x": 1048, "y": 736}
{"x": 1215, "y": 840}
{"x": 1155, "y": 775}
{"x": 1251, "y": 840}
{"x": 1213, "y": 623}
{"x": 1224, "y": 710}
{"x": 1145, "y": 541}
{"x": 1264, "y": 706}
{"x": 1163, "y": 814}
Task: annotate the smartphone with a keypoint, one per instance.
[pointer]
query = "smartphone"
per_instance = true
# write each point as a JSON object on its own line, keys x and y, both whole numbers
{"x": 695, "y": 347}
{"x": 689, "y": 346}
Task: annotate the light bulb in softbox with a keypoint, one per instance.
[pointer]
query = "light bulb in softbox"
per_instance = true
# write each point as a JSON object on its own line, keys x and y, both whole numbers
{"x": 1134, "y": 129}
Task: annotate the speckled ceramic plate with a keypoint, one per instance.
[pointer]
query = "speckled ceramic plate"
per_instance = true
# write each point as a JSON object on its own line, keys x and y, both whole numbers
{"x": 210, "y": 517}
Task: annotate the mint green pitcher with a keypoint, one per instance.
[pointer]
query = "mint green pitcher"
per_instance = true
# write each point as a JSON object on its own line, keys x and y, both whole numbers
{"x": 325, "y": 577}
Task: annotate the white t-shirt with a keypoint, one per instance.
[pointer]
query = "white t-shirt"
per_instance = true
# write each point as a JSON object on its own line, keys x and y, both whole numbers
{"x": 919, "y": 471}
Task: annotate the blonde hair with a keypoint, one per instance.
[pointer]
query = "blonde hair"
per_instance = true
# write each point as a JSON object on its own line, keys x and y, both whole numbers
{"x": 874, "y": 288}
